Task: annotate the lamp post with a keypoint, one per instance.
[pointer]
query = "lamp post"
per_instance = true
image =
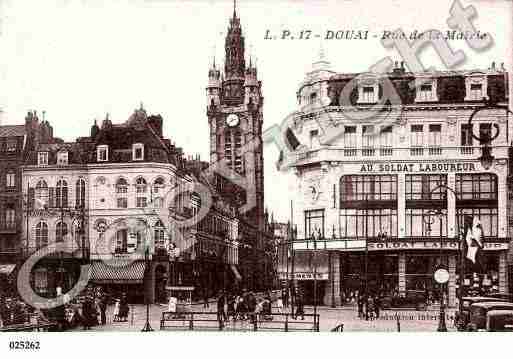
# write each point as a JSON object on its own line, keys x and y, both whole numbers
{"x": 486, "y": 138}
{"x": 147, "y": 327}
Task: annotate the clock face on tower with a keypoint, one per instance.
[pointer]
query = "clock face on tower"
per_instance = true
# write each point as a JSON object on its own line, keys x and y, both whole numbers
{"x": 232, "y": 120}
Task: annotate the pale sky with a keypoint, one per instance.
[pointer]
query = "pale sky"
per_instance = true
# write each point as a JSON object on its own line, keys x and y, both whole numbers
{"x": 79, "y": 59}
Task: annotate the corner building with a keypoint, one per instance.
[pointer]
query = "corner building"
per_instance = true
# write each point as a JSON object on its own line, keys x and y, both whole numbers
{"x": 371, "y": 190}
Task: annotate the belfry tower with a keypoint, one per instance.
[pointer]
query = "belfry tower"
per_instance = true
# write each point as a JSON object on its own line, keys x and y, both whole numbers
{"x": 235, "y": 117}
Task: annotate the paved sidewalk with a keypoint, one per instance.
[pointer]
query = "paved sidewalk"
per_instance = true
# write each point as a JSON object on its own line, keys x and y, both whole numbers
{"x": 409, "y": 320}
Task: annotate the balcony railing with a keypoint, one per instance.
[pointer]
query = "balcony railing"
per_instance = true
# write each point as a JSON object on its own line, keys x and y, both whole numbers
{"x": 368, "y": 151}
{"x": 467, "y": 150}
{"x": 350, "y": 152}
{"x": 417, "y": 151}
{"x": 386, "y": 151}
{"x": 403, "y": 153}
{"x": 435, "y": 151}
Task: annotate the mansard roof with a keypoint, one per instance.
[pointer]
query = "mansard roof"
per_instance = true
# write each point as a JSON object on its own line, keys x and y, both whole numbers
{"x": 450, "y": 85}
{"x": 12, "y": 131}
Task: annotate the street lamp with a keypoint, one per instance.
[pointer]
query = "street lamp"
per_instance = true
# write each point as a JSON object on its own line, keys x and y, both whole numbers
{"x": 486, "y": 138}
{"x": 147, "y": 327}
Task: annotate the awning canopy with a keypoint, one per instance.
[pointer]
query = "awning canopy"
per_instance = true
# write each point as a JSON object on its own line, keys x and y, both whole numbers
{"x": 7, "y": 269}
{"x": 133, "y": 273}
{"x": 236, "y": 272}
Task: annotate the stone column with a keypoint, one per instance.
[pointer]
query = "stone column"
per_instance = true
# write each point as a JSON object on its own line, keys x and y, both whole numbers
{"x": 452, "y": 281}
{"x": 503, "y": 272}
{"x": 401, "y": 205}
{"x": 332, "y": 293}
{"x": 451, "y": 207}
{"x": 402, "y": 273}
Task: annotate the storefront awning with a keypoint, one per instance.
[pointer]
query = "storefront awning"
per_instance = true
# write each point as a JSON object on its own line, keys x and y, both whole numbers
{"x": 236, "y": 272}
{"x": 133, "y": 273}
{"x": 7, "y": 269}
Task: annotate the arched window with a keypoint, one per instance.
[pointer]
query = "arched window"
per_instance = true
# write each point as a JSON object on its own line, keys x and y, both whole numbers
{"x": 158, "y": 185}
{"x": 121, "y": 186}
{"x": 61, "y": 194}
{"x": 159, "y": 234}
{"x": 140, "y": 185}
{"x": 61, "y": 230}
{"x": 140, "y": 188}
{"x": 41, "y": 194}
{"x": 80, "y": 193}
{"x": 41, "y": 235}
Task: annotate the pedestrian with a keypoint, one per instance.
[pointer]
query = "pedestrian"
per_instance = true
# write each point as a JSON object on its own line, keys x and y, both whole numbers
{"x": 116, "y": 310}
{"x": 360, "y": 306}
{"x": 252, "y": 303}
{"x": 205, "y": 299}
{"x": 300, "y": 309}
{"x": 225, "y": 307}
{"x": 87, "y": 313}
{"x": 279, "y": 304}
{"x": 285, "y": 297}
{"x": 369, "y": 310}
{"x": 103, "y": 309}
{"x": 220, "y": 307}
{"x": 377, "y": 304}
{"x": 123, "y": 308}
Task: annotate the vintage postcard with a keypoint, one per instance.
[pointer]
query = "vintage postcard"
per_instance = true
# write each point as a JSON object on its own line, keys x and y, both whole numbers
{"x": 255, "y": 166}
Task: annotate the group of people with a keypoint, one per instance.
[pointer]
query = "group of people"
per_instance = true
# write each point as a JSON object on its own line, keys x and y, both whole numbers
{"x": 369, "y": 306}
{"x": 249, "y": 306}
{"x": 13, "y": 311}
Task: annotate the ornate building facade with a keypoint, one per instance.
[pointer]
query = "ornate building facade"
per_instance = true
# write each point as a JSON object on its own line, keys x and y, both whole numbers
{"x": 372, "y": 186}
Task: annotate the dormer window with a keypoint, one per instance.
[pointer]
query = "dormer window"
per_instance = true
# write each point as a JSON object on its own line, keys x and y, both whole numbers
{"x": 476, "y": 87}
{"x": 138, "y": 152}
{"x": 102, "y": 153}
{"x": 62, "y": 158}
{"x": 368, "y": 91}
{"x": 42, "y": 158}
{"x": 425, "y": 90}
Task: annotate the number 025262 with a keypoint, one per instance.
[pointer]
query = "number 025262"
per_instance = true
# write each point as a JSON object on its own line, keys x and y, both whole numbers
{"x": 24, "y": 345}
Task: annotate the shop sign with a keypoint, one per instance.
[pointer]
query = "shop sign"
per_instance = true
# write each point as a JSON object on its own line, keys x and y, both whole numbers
{"x": 418, "y": 167}
{"x": 310, "y": 276}
{"x": 423, "y": 244}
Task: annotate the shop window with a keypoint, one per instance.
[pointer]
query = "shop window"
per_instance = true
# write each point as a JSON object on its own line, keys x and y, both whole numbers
{"x": 367, "y": 188}
{"x": 314, "y": 221}
{"x": 481, "y": 186}
{"x": 425, "y": 223}
{"x": 488, "y": 218}
{"x": 373, "y": 222}
{"x": 420, "y": 187}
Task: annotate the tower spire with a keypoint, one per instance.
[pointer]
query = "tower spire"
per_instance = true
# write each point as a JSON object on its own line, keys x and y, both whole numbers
{"x": 234, "y": 9}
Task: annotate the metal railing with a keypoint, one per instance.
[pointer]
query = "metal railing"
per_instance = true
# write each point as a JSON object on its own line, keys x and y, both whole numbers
{"x": 212, "y": 321}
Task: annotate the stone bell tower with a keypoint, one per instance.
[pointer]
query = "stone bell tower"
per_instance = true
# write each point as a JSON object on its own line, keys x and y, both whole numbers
{"x": 235, "y": 117}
